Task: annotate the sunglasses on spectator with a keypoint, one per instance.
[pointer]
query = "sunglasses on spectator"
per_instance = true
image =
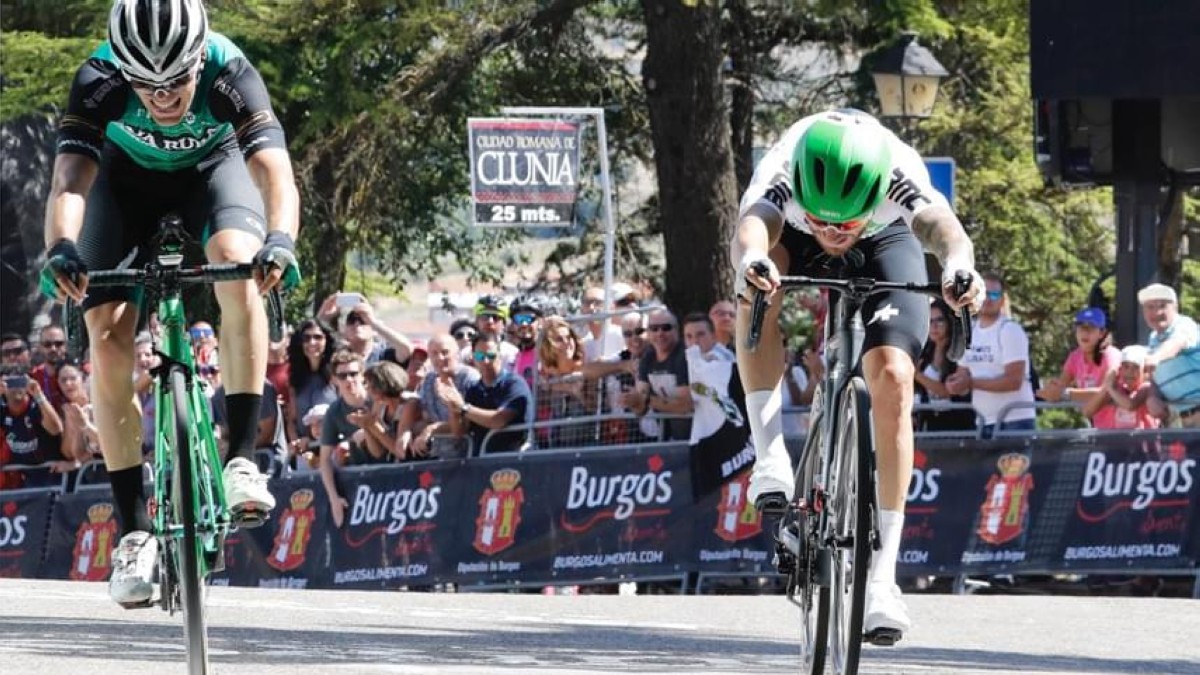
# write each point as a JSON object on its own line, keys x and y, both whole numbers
{"x": 631, "y": 333}
{"x": 523, "y": 319}
{"x": 12, "y": 351}
{"x": 815, "y": 224}
{"x": 54, "y": 344}
{"x": 198, "y": 333}
{"x": 486, "y": 356}
{"x": 356, "y": 318}
{"x": 995, "y": 295}
{"x": 661, "y": 327}
{"x": 208, "y": 370}
{"x": 314, "y": 337}
{"x": 465, "y": 335}
{"x": 347, "y": 374}
{"x": 588, "y": 302}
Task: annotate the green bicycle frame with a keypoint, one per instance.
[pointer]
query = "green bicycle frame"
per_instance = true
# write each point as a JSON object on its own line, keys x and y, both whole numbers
{"x": 209, "y": 505}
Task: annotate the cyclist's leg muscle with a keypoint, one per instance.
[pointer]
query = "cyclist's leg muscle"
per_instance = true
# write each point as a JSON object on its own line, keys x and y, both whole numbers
{"x": 118, "y": 417}
{"x": 889, "y": 373}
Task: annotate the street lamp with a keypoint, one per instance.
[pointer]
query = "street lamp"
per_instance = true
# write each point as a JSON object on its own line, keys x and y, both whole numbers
{"x": 907, "y": 78}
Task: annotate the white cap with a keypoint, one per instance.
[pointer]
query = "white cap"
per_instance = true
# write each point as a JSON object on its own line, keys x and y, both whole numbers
{"x": 620, "y": 290}
{"x": 1157, "y": 292}
{"x": 315, "y": 413}
{"x": 1134, "y": 354}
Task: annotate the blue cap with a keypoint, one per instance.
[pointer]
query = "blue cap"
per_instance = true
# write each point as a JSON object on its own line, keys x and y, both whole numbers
{"x": 1093, "y": 315}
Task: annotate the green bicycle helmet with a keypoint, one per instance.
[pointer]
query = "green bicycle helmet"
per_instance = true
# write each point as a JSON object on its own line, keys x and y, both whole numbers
{"x": 840, "y": 166}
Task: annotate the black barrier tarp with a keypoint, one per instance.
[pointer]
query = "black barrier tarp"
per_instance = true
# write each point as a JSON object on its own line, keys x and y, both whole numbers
{"x": 24, "y": 521}
{"x": 727, "y": 531}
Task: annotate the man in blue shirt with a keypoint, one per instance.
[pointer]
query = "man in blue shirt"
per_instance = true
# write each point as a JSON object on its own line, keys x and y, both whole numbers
{"x": 497, "y": 400}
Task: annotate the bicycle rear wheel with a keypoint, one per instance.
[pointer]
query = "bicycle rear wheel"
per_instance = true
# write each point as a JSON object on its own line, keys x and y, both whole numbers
{"x": 850, "y": 511}
{"x": 188, "y": 553}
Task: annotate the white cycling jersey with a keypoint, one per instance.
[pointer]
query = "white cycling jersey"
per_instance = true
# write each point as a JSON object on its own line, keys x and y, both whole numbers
{"x": 909, "y": 191}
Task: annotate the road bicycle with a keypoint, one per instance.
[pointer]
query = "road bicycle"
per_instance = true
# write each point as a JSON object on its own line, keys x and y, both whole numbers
{"x": 189, "y": 513}
{"x": 826, "y": 535}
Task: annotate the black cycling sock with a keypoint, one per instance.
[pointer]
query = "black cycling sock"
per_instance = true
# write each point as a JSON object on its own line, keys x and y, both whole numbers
{"x": 241, "y": 411}
{"x": 129, "y": 493}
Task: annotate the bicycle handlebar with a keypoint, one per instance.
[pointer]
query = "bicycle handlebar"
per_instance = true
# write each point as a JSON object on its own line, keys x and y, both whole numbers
{"x": 861, "y": 288}
{"x": 199, "y": 274}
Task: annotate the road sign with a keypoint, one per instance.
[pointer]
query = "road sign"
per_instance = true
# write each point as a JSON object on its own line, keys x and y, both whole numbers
{"x": 941, "y": 174}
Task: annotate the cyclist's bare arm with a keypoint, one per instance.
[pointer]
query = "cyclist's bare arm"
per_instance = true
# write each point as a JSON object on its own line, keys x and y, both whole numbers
{"x": 271, "y": 170}
{"x": 70, "y": 183}
{"x": 758, "y": 230}
{"x": 941, "y": 233}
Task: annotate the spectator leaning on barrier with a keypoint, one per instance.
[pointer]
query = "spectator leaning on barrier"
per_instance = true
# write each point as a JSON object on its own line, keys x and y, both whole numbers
{"x": 1174, "y": 358}
{"x": 995, "y": 370}
{"x": 428, "y": 417}
{"x": 662, "y": 381}
{"x": 1083, "y": 373}
{"x": 81, "y": 439}
{"x": 934, "y": 367}
{"x": 497, "y": 400}
{"x": 305, "y": 450}
{"x": 561, "y": 391}
{"x": 724, "y": 319}
{"x": 379, "y": 422}
{"x": 1126, "y": 389}
{"x": 310, "y": 350}
{"x": 337, "y": 430}
{"x": 26, "y": 420}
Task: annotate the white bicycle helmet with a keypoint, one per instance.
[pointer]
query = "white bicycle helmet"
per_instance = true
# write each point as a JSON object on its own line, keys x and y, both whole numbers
{"x": 156, "y": 41}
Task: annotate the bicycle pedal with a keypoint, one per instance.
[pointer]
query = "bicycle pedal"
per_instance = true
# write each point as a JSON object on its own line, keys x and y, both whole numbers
{"x": 883, "y": 637}
{"x": 772, "y": 504}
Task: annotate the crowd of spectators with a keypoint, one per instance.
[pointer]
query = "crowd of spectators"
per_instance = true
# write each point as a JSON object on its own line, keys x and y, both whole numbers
{"x": 344, "y": 389}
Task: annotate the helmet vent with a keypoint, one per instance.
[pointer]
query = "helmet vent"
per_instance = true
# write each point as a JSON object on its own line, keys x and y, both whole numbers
{"x": 819, "y": 175}
{"x": 874, "y": 191}
{"x": 851, "y": 179}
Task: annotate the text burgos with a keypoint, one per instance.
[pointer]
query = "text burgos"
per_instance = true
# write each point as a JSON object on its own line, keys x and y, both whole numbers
{"x": 1147, "y": 479}
{"x": 628, "y": 491}
{"x": 12, "y": 530}
{"x": 398, "y": 505}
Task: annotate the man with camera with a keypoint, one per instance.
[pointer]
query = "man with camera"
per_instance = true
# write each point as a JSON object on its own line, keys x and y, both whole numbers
{"x": 27, "y": 422}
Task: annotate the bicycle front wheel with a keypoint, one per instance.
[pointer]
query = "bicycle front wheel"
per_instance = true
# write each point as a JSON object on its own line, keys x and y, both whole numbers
{"x": 188, "y": 553}
{"x": 850, "y": 511}
{"x": 804, "y": 587}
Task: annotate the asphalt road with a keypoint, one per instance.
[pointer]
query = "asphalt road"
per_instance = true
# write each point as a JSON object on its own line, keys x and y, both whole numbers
{"x": 64, "y": 627}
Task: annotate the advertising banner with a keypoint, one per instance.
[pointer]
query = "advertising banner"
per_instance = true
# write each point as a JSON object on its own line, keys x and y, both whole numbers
{"x": 622, "y": 513}
{"x": 1134, "y": 505}
{"x": 399, "y": 522}
{"x": 292, "y": 549}
{"x": 727, "y": 531}
{"x": 505, "y": 530}
{"x": 83, "y": 533}
{"x": 524, "y": 172}
{"x": 1007, "y": 486}
{"x": 942, "y": 508}
{"x": 24, "y": 520}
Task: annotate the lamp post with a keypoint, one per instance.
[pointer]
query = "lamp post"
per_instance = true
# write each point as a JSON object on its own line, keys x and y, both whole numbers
{"x": 907, "y": 77}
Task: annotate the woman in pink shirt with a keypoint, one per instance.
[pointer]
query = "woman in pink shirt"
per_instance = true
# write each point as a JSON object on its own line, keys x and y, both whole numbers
{"x": 1083, "y": 372}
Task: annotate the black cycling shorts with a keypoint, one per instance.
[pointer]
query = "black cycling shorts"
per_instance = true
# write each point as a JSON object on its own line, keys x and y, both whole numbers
{"x": 127, "y": 201}
{"x": 894, "y": 318}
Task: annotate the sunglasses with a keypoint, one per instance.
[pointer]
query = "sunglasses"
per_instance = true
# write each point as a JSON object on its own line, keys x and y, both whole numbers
{"x": 815, "y": 224}
{"x": 54, "y": 344}
{"x": 347, "y": 374}
{"x": 523, "y": 319}
{"x": 661, "y": 327}
{"x": 208, "y": 370}
{"x": 995, "y": 295}
{"x": 356, "y": 318}
{"x": 198, "y": 333}
{"x": 170, "y": 86}
{"x": 465, "y": 335}
{"x": 486, "y": 356}
{"x": 313, "y": 337}
{"x": 12, "y": 351}
{"x": 634, "y": 332}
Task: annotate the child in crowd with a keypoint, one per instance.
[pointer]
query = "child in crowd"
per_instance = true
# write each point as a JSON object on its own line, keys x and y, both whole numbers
{"x": 1126, "y": 390}
{"x": 1086, "y": 367}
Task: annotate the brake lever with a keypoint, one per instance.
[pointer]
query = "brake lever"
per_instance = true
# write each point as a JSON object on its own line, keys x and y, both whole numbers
{"x": 960, "y": 339}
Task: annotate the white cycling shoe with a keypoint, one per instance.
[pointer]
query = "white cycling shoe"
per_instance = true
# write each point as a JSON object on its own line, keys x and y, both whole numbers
{"x": 768, "y": 477}
{"x": 133, "y": 565}
{"x": 250, "y": 502}
{"x": 886, "y": 617}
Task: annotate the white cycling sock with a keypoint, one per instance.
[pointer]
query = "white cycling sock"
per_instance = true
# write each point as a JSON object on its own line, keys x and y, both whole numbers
{"x": 883, "y": 563}
{"x": 773, "y": 465}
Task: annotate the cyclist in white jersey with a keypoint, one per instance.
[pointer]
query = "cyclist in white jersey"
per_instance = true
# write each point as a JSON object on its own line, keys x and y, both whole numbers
{"x": 840, "y": 195}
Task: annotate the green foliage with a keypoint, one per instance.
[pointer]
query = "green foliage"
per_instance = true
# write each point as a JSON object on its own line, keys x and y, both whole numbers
{"x": 37, "y": 70}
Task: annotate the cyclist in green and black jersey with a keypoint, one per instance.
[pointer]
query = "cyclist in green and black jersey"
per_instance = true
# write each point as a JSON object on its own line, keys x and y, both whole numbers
{"x": 166, "y": 116}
